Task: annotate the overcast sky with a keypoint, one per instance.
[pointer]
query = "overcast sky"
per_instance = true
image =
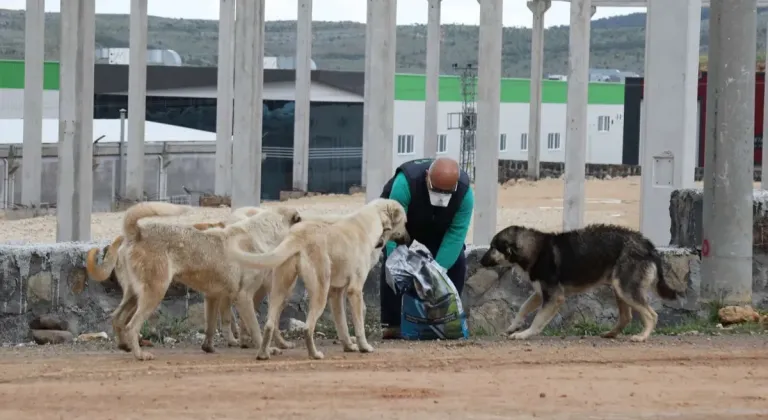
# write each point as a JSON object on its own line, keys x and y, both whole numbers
{"x": 516, "y": 12}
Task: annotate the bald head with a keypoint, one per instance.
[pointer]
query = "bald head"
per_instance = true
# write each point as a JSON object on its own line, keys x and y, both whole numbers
{"x": 443, "y": 174}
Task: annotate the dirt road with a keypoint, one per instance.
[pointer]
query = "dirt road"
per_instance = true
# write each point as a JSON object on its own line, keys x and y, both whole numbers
{"x": 548, "y": 378}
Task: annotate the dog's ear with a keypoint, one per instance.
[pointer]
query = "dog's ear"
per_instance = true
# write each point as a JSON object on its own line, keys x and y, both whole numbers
{"x": 295, "y": 218}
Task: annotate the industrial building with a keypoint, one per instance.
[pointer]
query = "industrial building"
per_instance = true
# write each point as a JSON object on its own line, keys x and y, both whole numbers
{"x": 186, "y": 97}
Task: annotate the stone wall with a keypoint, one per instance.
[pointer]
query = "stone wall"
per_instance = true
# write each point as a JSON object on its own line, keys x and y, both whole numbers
{"x": 516, "y": 169}
{"x": 37, "y": 280}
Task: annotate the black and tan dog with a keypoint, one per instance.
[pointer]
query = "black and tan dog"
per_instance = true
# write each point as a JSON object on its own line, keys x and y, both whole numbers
{"x": 567, "y": 263}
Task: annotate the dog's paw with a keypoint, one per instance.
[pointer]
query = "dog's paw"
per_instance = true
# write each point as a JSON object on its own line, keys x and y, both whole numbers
{"x": 233, "y": 343}
{"x": 522, "y": 335}
{"x": 513, "y": 329}
{"x": 351, "y": 348}
{"x": 262, "y": 356}
{"x": 208, "y": 348}
{"x": 609, "y": 334}
{"x": 638, "y": 338}
{"x": 145, "y": 356}
{"x": 245, "y": 344}
{"x": 318, "y": 355}
{"x": 275, "y": 351}
{"x": 366, "y": 348}
{"x": 286, "y": 345}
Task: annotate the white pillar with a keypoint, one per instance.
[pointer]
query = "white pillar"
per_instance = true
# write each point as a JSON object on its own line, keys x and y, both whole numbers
{"x": 488, "y": 109}
{"x": 381, "y": 78}
{"x": 764, "y": 166}
{"x": 75, "y": 184}
{"x": 137, "y": 100}
{"x": 433, "y": 79}
{"x": 671, "y": 69}
{"x": 728, "y": 194}
{"x": 34, "y": 55}
{"x": 539, "y": 8}
{"x": 225, "y": 93}
{"x": 303, "y": 100}
{"x": 249, "y": 80}
{"x": 576, "y": 114}
{"x": 366, "y": 93}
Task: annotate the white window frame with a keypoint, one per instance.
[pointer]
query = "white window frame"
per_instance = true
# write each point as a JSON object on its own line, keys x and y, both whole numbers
{"x": 524, "y": 142}
{"x": 553, "y": 142}
{"x": 603, "y": 124}
{"x": 503, "y": 142}
{"x": 405, "y": 144}
{"x": 442, "y": 140}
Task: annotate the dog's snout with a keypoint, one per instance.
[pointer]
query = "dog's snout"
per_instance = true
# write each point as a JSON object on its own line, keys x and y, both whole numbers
{"x": 488, "y": 259}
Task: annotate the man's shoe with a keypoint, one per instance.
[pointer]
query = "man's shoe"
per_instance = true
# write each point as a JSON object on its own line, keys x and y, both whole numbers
{"x": 390, "y": 333}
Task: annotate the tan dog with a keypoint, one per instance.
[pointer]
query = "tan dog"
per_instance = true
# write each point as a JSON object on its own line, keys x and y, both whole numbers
{"x": 154, "y": 254}
{"x": 101, "y": 272}
{"x": 333, "y": 259}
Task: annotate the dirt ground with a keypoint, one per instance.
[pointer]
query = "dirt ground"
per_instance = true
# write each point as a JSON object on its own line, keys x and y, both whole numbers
{"x": 696, "y": 378}
{"x": 537, "y": 204}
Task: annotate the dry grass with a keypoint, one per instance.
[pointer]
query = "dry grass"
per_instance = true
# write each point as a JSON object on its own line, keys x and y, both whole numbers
{"x": 538, "y": 204}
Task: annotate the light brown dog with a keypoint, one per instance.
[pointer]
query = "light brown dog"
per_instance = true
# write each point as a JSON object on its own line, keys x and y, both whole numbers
{"x": 333, "y": 260}
{"x": 153, "y": 255}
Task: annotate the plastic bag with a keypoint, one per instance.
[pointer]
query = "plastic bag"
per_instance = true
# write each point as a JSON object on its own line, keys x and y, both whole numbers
{"x": 431, "y": 305}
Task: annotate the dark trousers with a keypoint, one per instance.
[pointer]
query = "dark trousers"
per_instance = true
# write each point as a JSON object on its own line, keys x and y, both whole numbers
{"x": 391, "y": 303}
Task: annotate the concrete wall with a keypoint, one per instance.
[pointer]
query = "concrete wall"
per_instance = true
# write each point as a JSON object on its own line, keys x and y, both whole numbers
{"x": 36, "y": 280}
{"x": 603, "y": 147}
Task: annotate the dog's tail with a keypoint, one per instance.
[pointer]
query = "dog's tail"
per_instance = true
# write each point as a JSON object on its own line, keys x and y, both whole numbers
{"x": 662, "y": 287}
{"x": 139, "y": 211}
{"x": 101, "y": 272}
{"x": 287, "y": 248}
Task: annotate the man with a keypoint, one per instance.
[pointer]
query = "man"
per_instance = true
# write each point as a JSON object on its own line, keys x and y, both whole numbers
{"x": 439, "y": 201}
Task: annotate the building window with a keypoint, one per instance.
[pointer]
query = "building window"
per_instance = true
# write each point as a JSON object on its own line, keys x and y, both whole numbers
{"x": 503, "y": 143}
{"x": 524, "y": 142}
{"x": 442, "y": 143}
{"x": 553, "y": 141}
{"x": 405, "y": 144}
{"x": 603, "y": 123}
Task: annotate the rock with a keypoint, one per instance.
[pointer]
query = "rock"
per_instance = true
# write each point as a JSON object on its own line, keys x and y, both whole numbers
{"x": 738, "y": 315}
{"x": 169, "y": 341}
{"x": 52, "y": 337}
{"x": 49, "y": 322}
{"x": 39, "y": 288}
{"x": 294, "y": 325}
{"x": 200, "y": 337}
{"x": 88, "y": 337}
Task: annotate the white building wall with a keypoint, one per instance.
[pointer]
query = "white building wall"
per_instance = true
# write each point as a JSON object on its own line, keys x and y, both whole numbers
{"x": 602, "y": 146}
{"x": 12, "y": 103}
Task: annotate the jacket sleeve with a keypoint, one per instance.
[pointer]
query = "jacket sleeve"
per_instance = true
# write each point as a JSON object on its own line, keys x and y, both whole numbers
{"x": 454, "y": 239}
{"x": 402, "y": 194}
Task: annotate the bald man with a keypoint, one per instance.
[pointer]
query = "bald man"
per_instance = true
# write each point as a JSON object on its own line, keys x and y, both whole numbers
{"x": 439, "y": 201}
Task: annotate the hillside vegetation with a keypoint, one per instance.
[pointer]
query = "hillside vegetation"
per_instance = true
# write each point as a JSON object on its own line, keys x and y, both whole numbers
{"x": 617, "y": 42}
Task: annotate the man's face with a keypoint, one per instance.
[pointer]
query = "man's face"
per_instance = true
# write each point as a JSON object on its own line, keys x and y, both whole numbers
{"x": 439, "y": 197}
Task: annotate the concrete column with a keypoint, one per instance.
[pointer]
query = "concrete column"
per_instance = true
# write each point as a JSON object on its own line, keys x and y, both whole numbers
{"x": 576, "y": 114}
{"x": 303, "y": 100}
{"x": 671, "y": 69}
{"x": 34, "y": 55}
{"x": 764, "y": 167}
{"x": 727, "y": 235}
{"x": 381, "y": 79}
{"x": 433, "y": 79}
{"x": 249, "y": 80}
{"x": 488, "y": 109}
{"x": 75, "y": 182}
{"x": 225, "y": 93}
{"x": 366, "y": 92}
{"x": 137, "y": 100}
{"x": 538, "y": 7}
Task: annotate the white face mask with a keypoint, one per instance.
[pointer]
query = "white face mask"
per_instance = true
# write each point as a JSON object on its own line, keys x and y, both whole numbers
{"x": 439, "y": 199}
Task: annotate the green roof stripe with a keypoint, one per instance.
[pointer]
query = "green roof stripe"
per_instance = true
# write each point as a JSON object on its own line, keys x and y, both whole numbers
{"x": 408, "y": 87}
{"x": 12, "y": 75}
{"x": 411, "y": 87}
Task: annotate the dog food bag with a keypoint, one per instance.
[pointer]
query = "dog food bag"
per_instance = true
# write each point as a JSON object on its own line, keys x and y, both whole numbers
{"x": 431, "y": 305}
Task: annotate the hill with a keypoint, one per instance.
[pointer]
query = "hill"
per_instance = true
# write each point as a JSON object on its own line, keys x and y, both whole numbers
{"x": 617, "y": 42}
